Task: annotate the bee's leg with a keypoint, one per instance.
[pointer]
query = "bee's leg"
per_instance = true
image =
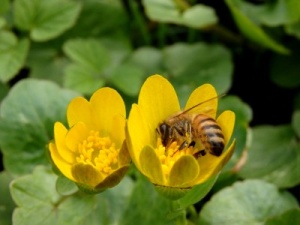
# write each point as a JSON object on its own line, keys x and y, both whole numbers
{"x": 179, "y": 130}
{"x": 202, "y": 152}
{"x": 192, "y": 144}
{"x": 183, "y": 145}
{"x": 199, "y": 154}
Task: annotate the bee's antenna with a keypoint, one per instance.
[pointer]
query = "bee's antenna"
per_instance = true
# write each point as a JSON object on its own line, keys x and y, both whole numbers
{"x": 189, "y": 109}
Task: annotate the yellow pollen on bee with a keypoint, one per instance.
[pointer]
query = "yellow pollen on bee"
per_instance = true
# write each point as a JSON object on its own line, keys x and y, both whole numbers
{"x": 99, "y": 152}
{"x": 168, "y": 156}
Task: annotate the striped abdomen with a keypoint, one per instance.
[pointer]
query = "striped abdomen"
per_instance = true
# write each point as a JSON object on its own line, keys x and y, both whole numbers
{"x": 210, "y": 134}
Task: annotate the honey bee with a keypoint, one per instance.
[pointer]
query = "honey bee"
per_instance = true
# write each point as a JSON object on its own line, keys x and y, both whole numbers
{"x": 188, "y": 128}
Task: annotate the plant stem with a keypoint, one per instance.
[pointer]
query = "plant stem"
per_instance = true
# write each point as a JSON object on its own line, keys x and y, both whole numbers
{"x": 177, "y": 214}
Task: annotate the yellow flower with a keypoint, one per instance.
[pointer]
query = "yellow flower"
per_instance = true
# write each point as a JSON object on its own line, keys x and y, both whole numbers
{"x": 175, "y": 165}
{"x": 92, "y": 152}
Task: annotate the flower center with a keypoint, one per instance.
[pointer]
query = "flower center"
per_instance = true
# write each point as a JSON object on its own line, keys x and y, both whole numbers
{"x": 99, "y": 152}
{"x": 169, "y": 155}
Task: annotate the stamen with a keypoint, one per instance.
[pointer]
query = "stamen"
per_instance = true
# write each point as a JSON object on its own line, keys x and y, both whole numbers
{"x": 169, "y": 155}
{"x": 99, "y": 152}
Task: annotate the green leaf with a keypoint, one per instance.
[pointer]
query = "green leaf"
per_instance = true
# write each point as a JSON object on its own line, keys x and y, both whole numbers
{"x": 271, "y": 13}
{"x": 252, "y": 31}
{"x": 27, "y": 115}
{"x": 93, "y": 19}
{"x": 82, "y": 79}
{"x": 111, "y": 204}
{"x": 197, "y": 193}
{"x": 247, "y": 202}
{"x": 128, "y": 78}
{"x": 3, "y": 90}
{"x": 7, "y": 40}
{"x": 46, "y": 63}
{"x": 147, "y": 206}
{"x": 45, "y": 19}
{"x": 284, "y": 69}
{"x": 33, "y": 190}
{"x": 2, "y": 22}
{"x": 94, "y": 62}
{"x": 276, "y": 13}
{"x": 39, "y": 203}
{"x": 147, "y": 58}
{"x": 87, "y": 52}
{"x": 199, "y": 63}
{"x": 6, "y": 203}
{"x": 293, "y": 29}
{"x": 243, "y": 116}
{"x": 118, "y": 48}
{"x": 287, "y": 218}
{"x": 162, "y": 11}
{"x": 274, "y": 157}
{"x": 197, "y": 16}
{"x": 4, "y": 6}
{"x": 296, "y": 122}
{"x": 90, "y": 59}
{"x": 12, "y": 55}
{"x": 65, "y": 186}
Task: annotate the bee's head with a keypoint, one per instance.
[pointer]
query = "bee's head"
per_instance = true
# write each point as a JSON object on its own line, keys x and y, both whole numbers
{"x": 163, "y": 130}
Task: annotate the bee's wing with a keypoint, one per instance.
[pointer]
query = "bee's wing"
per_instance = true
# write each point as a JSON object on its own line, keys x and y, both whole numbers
{"x": 205, "y": 107}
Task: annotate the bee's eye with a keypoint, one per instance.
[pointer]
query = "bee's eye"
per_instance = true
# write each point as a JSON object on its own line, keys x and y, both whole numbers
{"x": 163, "y": 129}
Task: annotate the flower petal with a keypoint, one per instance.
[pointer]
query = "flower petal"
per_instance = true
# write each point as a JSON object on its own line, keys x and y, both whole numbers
{"x": 206, "y": 96}
{"x": 106, "y": 103}
{"x": 124, "y": 157}
{"x": 86, "y": 175}
{"x": 137, "y": 135}
{"x": 80, "y": 110}
{"x": 211, "y": 165}
{"x": 118, "y": 130}
{"x": 158, "y": 101}
{"x": 60, "y": 133}
{"x": 112, "y": 179}
{"x": 151, "y": 165}
{"x": 226, "y": 121}
{"x": 76, "y": 135}
{"x": 63, "y": 166}
{"x": 184, "y": 171}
